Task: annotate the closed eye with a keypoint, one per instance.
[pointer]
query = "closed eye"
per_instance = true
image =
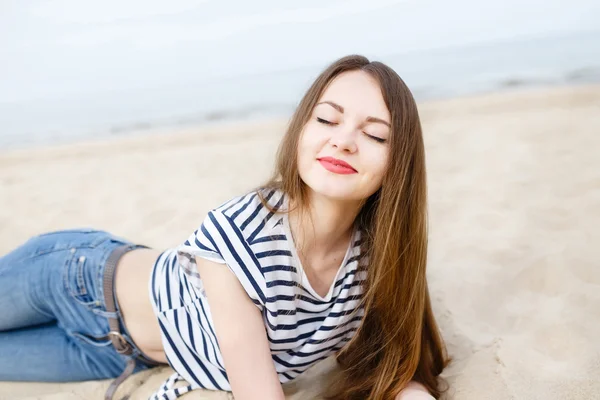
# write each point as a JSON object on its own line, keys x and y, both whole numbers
{"x": 375, "y": 138}
{"x": 324, "y": 121}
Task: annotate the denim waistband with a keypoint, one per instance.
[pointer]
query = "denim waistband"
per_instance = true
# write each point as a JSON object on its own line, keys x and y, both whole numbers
{"x": 119, "y": 335}
{"x": 118, "y": 324}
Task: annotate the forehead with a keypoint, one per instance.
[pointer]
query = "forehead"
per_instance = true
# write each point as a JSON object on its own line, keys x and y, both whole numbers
{"x": 359, "y": 93}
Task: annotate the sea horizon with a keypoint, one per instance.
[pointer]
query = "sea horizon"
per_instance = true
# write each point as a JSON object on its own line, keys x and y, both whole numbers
{"x": 430, "y": 73}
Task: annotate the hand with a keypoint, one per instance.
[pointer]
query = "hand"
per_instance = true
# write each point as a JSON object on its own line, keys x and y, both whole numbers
{"x": 414, "y": 391}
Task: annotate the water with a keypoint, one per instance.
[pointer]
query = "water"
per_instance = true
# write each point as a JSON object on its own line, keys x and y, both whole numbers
{"x": 69, "y": 103}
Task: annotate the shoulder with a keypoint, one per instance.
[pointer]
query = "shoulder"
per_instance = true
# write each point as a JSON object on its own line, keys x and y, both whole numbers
{"x": 248, "y": 211}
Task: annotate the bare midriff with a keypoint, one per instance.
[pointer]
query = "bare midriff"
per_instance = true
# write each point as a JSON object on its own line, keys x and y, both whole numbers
{"x": 131, "y": 288}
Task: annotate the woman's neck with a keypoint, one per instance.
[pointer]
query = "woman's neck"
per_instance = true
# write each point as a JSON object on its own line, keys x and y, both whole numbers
{"x": 324, "y": 225}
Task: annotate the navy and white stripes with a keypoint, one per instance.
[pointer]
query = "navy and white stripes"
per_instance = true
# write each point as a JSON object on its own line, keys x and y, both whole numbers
{"x": 256, "y": 244}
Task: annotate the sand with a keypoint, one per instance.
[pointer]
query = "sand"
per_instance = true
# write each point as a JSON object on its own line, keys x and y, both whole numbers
{"x": 514, "y": 270}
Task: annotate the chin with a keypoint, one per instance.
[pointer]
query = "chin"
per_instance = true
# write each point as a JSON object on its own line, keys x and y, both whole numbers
{"x": 334, "y": 190}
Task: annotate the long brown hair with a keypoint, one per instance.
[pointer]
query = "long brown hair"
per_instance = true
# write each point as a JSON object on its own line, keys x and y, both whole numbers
{"x": 398, "y": 339}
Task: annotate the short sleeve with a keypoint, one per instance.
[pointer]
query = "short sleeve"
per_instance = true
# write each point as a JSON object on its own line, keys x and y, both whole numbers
{"x": 220, "y": 240}
{"x": 201, "y": 243}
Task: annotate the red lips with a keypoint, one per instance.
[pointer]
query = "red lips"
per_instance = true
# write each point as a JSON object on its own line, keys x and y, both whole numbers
{"x": 337, "y": 166}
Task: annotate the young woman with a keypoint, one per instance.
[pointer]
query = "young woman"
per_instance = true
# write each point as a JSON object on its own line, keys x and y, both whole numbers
{"x": 327, "y": 258}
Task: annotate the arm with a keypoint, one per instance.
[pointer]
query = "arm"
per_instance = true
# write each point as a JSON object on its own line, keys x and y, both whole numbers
{"x": 414, "y": 391}
{"x": 241, "y": 335}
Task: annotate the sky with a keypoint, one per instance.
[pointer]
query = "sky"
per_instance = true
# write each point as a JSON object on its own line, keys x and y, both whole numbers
{"x": 62, "y": 48}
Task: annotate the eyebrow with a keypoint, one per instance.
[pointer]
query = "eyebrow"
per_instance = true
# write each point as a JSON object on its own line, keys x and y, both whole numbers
{"x": 369, "y": 119}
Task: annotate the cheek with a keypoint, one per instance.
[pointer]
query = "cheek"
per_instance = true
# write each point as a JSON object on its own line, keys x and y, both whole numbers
{"x": 305, "y": 152}
{"x": 377, "y": 164}
{"x": 310, "y": 143}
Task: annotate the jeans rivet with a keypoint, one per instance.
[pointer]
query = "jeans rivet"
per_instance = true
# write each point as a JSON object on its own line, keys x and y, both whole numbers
{"x": 81, "y": 259}
{"x": 73, "y": 250}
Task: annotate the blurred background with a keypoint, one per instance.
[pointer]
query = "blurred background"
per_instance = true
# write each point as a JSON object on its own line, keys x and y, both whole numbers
{"x": 72, "y": 69}
{"x": 137, "y": 117}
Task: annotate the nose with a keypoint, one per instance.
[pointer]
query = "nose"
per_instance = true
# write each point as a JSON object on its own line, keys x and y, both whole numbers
{"x": 344, "y": 140}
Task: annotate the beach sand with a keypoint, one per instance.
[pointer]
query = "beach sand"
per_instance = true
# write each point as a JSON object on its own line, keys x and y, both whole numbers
{"x": 514, "y": 261}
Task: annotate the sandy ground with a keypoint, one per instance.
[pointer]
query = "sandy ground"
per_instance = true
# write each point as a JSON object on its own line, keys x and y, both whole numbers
{"x": 514, "y": 270}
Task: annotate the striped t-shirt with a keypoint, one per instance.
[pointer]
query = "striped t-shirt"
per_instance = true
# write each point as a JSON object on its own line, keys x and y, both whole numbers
{"x": 257, "y": 245}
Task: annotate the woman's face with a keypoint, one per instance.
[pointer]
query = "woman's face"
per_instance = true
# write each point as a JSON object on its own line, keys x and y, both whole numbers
{"x": 343, "y": 148}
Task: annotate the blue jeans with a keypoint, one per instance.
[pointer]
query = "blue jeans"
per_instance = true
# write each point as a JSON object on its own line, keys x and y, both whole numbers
{"x": 52, "y": 309}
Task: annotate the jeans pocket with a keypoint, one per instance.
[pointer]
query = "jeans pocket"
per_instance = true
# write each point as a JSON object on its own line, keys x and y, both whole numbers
{"x": 79, "y": 280}
{"x": 96, "y": 341}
